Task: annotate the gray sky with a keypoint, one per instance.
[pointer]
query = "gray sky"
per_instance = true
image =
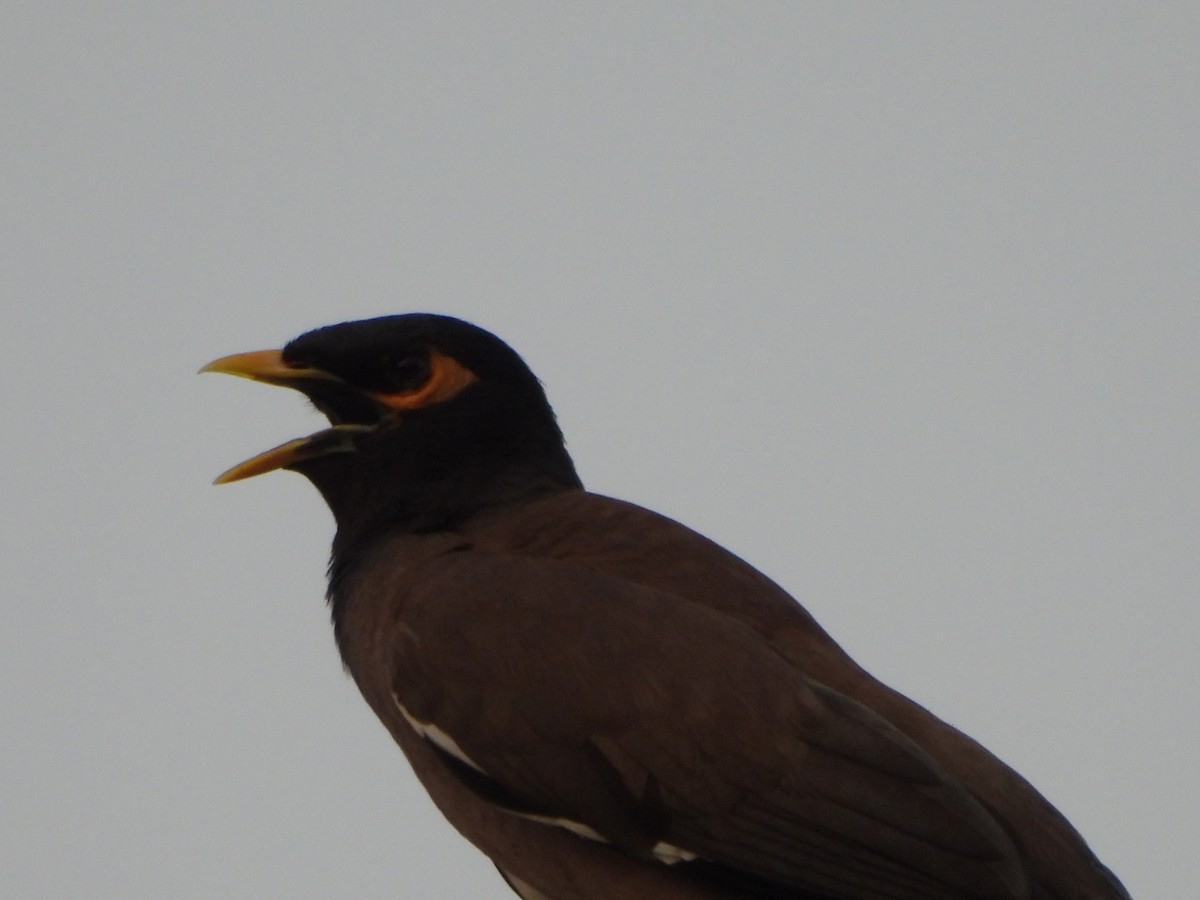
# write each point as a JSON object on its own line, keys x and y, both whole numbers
{"x": 898, "y": 301}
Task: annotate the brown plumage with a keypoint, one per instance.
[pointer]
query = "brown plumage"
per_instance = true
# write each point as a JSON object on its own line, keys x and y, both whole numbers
{"x": 604, "y": 702}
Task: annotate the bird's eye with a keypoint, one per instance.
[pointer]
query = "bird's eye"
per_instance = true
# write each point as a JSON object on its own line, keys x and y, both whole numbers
{"x": 406, "y": 373}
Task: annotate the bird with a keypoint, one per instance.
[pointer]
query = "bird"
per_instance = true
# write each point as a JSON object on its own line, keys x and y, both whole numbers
{"x": 607, "y": 704}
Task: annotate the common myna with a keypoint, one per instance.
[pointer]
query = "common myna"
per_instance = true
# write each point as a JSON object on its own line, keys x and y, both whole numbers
{"x": 604, "y": 702}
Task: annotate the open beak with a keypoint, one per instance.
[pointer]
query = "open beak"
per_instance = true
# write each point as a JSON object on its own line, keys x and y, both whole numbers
{"x": 269, "y": 367}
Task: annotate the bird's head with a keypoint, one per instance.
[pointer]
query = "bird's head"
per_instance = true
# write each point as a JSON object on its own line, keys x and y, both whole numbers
{"x": 431, "y": 419}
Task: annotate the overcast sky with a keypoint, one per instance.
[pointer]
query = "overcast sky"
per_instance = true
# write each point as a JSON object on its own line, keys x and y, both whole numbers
{"x": 898, "y": 301}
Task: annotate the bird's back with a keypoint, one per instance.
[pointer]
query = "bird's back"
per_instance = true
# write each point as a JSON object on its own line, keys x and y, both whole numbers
{"x": 626, "y": 542}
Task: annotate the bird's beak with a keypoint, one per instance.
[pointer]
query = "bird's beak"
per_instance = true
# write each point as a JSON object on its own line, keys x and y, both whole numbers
{"x": 338, "y": 439}
{"x": 269, "y": 367}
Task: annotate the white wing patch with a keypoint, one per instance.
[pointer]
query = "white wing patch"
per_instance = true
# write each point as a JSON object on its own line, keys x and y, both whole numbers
{"x": 663, "y": 852}
{"x": 670, "y": 854}
{"x": 570, "y": 825}
{"x": 524, "y": 889}
{"x": 435, "y": 736}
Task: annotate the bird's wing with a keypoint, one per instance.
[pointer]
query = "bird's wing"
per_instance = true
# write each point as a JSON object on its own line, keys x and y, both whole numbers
{"x": 672, "y": 731}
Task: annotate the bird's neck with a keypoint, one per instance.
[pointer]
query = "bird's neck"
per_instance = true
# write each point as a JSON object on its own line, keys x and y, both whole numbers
{"x": 435, "y": 509}
{"x": 434, "y": 470}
